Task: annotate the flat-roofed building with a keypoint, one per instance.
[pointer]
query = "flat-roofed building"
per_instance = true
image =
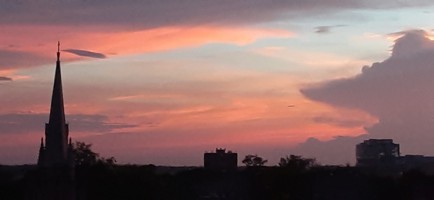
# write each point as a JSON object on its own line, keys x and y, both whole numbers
{"x": 221, "y": 160}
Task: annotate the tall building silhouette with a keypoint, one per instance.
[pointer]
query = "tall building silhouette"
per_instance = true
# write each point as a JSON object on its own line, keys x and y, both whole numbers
{"x": 56, "y": 151}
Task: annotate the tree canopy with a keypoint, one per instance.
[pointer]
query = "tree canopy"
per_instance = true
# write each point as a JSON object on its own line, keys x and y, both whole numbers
{"x": 84, "y": 156}
{"x": 297, "y": 162}
{"x": 254, "y": 160}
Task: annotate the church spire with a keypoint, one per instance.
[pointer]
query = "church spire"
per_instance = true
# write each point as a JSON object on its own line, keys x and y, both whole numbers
{"x": 57, "y": 113}
{"x": 56, "y": 158}
{"x": 58, "y": 51}
{"x": 56, "y": 130}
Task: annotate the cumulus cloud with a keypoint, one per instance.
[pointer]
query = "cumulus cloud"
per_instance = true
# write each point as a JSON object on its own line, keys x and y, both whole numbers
{"x": 85, "y": 53}
{"x": 338, "y": 121}
{"x": 398, "y": 91}
{"x": 29, "y": 123}
{"x": 338, "y": 151}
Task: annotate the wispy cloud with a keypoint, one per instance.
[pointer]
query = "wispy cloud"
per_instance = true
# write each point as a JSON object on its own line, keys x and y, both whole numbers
{"x": 3, "y": 78}
{"x": 31, "y": 53}
{"x": 135, "y": 25}
{"x": 85, "y": 53}
{"x": 326, "y": 29}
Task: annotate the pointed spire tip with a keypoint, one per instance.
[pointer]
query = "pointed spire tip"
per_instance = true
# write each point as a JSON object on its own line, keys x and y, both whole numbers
{"x": 58, "y": 50}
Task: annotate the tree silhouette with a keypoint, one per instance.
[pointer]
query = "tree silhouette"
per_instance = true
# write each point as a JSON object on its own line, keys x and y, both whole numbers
{"x": 254, "y": 160}
{"x": 297, "y": 162}
{"x": 84, "y": 156}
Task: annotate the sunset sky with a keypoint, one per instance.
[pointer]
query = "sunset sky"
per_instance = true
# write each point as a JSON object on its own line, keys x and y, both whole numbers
{"x": 163, "y": 81}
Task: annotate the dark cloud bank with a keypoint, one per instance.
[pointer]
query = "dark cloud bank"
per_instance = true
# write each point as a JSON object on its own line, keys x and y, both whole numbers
{"x": 153, "y": 13}
{"x": 11, "y": 59}
{"x": 15, "y": 123}
{"x": 24, "y": 123}
{"x": 398, "y": 91}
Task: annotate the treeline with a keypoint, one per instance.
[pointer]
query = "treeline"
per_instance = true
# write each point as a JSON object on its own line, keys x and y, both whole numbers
{"x": 256, "y": 183}
{"x": 144, "y": 182}
{"x": 295, "y": 178}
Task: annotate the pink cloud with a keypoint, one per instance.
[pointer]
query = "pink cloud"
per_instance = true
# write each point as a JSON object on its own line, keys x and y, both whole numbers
{"x": 23, "y": 50}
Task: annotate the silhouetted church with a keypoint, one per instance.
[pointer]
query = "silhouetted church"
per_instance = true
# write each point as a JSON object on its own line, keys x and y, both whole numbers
{"x": 56, "y": 151}
{"x": 55, "y": 177}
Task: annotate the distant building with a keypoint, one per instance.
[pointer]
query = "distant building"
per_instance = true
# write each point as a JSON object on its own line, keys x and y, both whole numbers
{"x": 383, "y": 153}
{"x": 221, "y": 160}
{"x": 424, "y": 163}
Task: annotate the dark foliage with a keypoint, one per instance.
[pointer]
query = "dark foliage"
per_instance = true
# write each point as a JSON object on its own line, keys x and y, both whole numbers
{"x": 254, "y": 161}
{"x": 84, "y": 156}
{"x": 251, "y": 183}
{"x": 297, "y": 162}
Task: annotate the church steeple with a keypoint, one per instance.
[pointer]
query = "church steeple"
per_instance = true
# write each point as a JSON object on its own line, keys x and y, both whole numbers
{"x": 56, "y": 130}
{"x": 56, "y": 156}
{"x": 57, "y": 113}
{"x": 58, "y": 51}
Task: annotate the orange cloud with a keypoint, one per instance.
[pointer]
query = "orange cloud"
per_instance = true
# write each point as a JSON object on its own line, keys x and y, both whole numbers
{"x": 17, "y": 38}
{"x": 252, "y": 119}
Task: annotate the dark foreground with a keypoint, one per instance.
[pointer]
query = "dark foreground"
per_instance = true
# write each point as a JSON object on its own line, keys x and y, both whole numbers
{"x": 262, "y": 183}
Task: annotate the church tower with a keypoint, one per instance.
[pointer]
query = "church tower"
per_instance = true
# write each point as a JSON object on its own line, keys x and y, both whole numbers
{"x": 56, "y": 151}
{"x": 55, "y": 179}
